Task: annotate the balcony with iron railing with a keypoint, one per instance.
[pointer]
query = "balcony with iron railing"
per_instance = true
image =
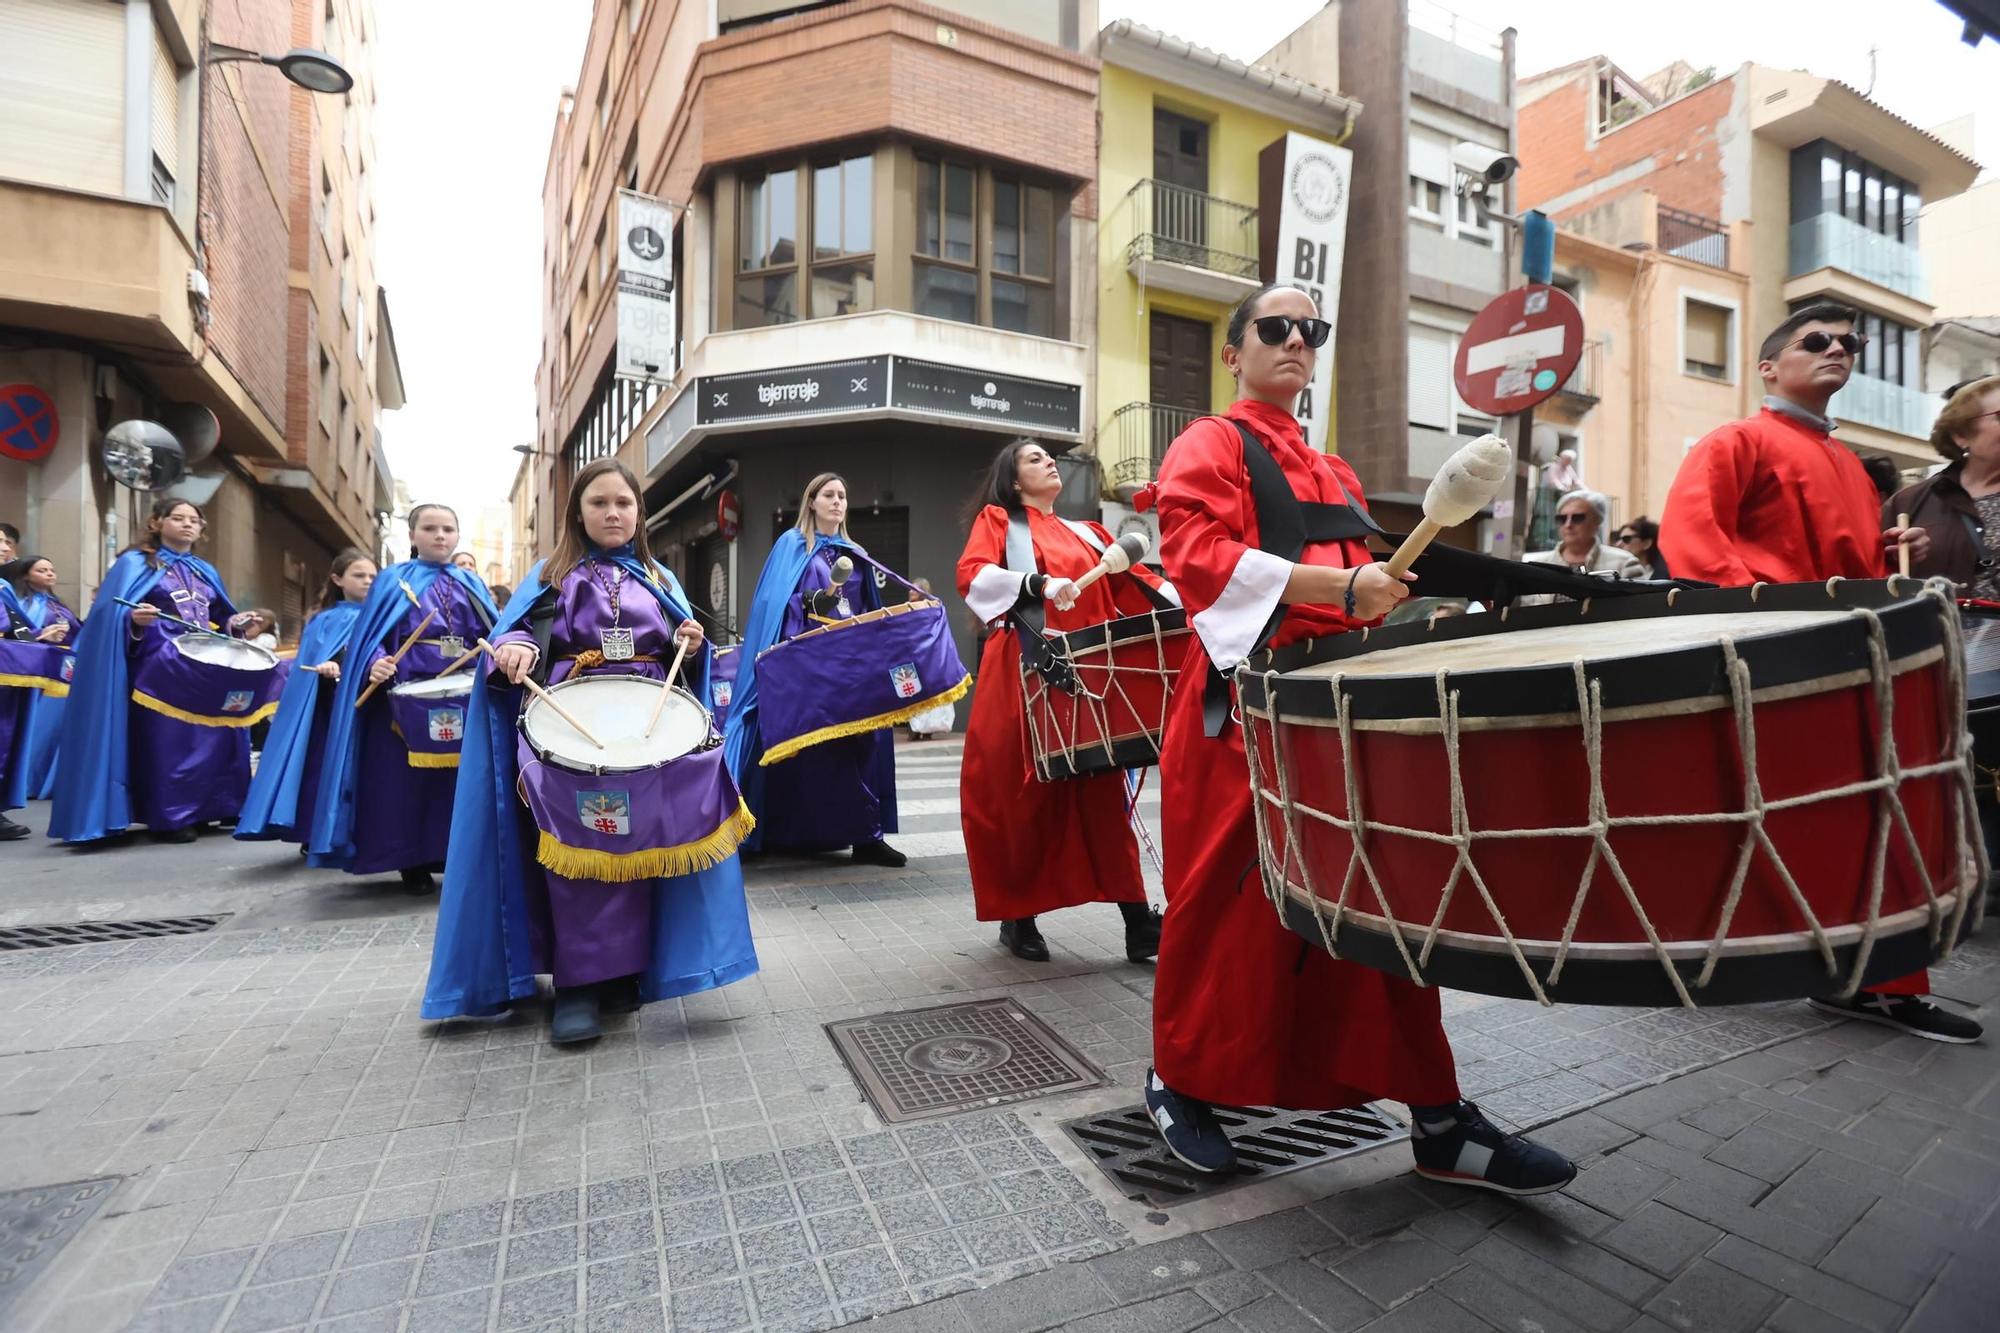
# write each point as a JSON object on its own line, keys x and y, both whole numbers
{"x": 1134, "y": 443}
{"x": 1692, "y": 236}
{"x": 1828, "y": 240}
{"x": 1582, "y": 386}
{"x": 1190, "y": 242}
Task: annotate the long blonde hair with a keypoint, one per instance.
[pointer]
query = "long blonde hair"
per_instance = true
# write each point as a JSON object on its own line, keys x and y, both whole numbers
{"x": 807, "y": 524}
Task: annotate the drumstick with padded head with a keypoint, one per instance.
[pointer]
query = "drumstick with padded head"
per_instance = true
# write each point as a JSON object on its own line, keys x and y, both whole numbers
{"x": 667, "y": 688}
{"x": 528, "y": 683}
{"x": 1466, "y": 484}
{"x": 1118, "y": 557}
{"x": 408, "y": 644}
{"x": 1903, "y": 545}
{"x": 842, "y": 570}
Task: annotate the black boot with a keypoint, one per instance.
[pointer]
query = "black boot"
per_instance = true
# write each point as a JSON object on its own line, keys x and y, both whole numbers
{"x": 620, "y": 995}
{"x": 417, "y": 879}
{"x": 1023, "y": 939}
{"x": 876, "y": 852}
{"x": 1142, "y": 931}
{"x": 573, "y": 1017}
{"x": 175, "y": 835}
{"x": 10, "y": 831}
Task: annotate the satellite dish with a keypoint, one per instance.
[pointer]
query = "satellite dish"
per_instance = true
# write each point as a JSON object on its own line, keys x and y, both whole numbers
{"x": 143, "y": 455}
{"x": 1543, "y": 442}
{"x": 195, "y": 427}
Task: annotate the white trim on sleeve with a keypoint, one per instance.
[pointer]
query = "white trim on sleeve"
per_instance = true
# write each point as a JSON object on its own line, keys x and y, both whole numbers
{"x": 993, "y": 592}
{"x": 1230, "y": 627}
{"x": 1173, "y": 594}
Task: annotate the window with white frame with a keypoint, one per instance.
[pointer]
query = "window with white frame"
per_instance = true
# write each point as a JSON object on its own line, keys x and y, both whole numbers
{"x": 1432, "y": 201}
{"x": 1708, "y": 340}
{"x": 1434, "y": 400}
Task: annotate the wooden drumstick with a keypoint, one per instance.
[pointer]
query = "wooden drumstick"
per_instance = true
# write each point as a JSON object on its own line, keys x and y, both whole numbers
{"x": 528, "y": 683}
{"x": 667, "y": 692}
{"x": 408, "y": 644}
{"x": 1466, "y": 484}
{"x": 469, "y": 654}
{"x": 1118, "y": 557}
{"x": 1903, "y": 545}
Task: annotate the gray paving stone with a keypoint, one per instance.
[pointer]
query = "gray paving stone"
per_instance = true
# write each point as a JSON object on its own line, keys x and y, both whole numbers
{"x": 971, "y": 1201}
{"x": 1618, "y": 1184}
{"x": 1474, "y": 1287}
{"x": 700, "y": 1261}
{"x": 930, "y": 1257}
{"x": 369, "y": 1288}
{"x": 1897, "y": 1262}
{"x": 825, "y": 1193}
{"x": 647, "y": 1316}
{"x": 834, "y": 1232}
{"x": 1395, "y": 1267}
{"x": 790, "y": 1293}
{"x": 1661, "y": 1239}
{"x": 1274, "y": 1237}
{"x": 538, "y": 1300}
{"x": 1175, "y": 1312}
{"x": 694, "y": 1221}
{"x": 623, "y": 1234}
{"x": 863, "y": 1273}
{"x": 621, "y": 1281}
{"x": 1059, "y": 1228}
{"x": 1823, "y": 1204}
{"x": 1582, "y": 1301}
{"x": 617, "y": 1196}
{"x": 682, "y": 1183}
{"x": 890, "y": 1180}
{"x": 1372, "y": 1209}
{"x": 384, "y": 1240}
{"x": 461, "y": 1312}
{"x": 1762, "y": 1153}
{"x": 203, "y": 1275}
{"x": 761, "y": 1207}
{"x": 264, "y": 1308}
{"x": 538, "y": 1251}
{"x": 1431, "y": 1312}
{"x": 1232, "y": 1291}
{"x": 454, "y": 1270}
{"x": 1456, "y": 1229}
{"x": 305, "y": 1257}
{"x": 869, "y": 1149}
{"x": 1047, "y": 1299}
{"x": 812, "y": 1159}
{"x": 1709, "y": 1298}
{"x": 752, "y": 1171}
{"x": 715, "y": 1308}
{"x": 466, "y": 1226}
{"x": 1818, "y": 1290}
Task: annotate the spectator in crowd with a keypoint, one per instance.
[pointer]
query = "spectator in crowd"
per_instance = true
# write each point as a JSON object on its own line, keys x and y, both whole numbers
{"x": 1640, "y": 539}
{"x": 1580, "y": 517}
{"x": 501, "y": 594}
{"x": 261, "y": 628}
{"x": 10, "y": 541}
{"x": 1959, "y": 505}
{"x": 1563, "y": 474}
{"x": 1881, "y": 470}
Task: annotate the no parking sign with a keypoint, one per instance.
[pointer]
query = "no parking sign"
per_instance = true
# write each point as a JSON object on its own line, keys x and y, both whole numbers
{"x": 29, "y": 427}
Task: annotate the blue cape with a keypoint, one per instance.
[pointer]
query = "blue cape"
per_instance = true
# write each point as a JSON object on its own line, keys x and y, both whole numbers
{"x": 271, "y": 809}
{"x": 92, "y": 798}
{"x": 484, "y": 958}
{"x": 332, "y": 839}
{"x": 45, "y": 715}
{"x": 11, "y": 605}
{"x": 743, "y": 738}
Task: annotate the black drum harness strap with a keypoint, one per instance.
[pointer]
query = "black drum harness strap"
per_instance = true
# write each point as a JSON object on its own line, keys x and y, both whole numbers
{"x": 1027, "y": 616}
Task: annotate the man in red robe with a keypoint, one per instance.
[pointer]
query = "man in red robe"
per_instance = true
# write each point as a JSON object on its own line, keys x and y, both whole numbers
{"x": 1776, "y": 499}
{"x": 1246, "y": 1013}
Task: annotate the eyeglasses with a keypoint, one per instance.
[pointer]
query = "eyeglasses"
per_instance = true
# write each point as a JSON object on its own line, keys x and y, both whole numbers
{"x": 1625, "y": 537}
{"x": 1567, "y": 519}
{"x": 1819, "y": 340}
{"x": 1272, "y": 330}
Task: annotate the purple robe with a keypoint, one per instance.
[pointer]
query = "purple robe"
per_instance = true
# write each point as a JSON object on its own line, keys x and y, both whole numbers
{"x": 822, "y": 799}
{"x": 402, "y": 815}
{"x": 181, "y": 774}
{"x": 588, "y": 930}
{"x": 13, "y": 736}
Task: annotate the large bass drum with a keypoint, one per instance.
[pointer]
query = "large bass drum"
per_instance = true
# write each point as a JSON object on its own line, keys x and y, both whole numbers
{"x": 1711, "y": 797}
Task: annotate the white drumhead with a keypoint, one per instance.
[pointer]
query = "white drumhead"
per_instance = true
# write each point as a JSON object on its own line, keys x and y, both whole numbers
{"x": 615, "y": 710}
{"x": 439, "y": 687}
{"x": 1563, "y": 644}
{"x": 218, "y": 651}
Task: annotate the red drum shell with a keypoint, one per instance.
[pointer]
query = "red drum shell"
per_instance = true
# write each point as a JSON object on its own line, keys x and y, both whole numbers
{"x": 1126, "y": 670}
{"x": 1671, "y": 759}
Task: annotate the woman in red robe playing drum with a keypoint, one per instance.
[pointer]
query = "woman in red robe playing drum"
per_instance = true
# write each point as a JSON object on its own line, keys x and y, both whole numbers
{"x": 1245, "y": 1013}
{"x": 1037, "y": 846}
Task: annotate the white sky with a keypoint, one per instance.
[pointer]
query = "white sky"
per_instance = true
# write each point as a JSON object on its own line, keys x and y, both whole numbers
{"x": 466, "y": 111}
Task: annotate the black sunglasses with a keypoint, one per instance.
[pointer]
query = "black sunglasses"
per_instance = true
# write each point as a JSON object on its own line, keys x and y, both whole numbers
{"x": 1272, "y": 330}
{"x": 1567, "y": 519}
{"x": 1819, "y": 340}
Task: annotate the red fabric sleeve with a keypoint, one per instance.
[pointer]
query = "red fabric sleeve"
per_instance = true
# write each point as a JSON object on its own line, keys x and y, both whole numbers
{"x": 986, "y": 544}
{"x": 1700, "y": 525}
{"x": 1204, "y": 507}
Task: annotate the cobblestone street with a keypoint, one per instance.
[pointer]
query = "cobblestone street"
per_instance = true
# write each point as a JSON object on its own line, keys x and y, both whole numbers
{"x": 283, "y": 1144}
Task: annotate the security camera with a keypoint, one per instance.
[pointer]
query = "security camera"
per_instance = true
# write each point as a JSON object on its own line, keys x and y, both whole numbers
{"x": 1488, "y": 165}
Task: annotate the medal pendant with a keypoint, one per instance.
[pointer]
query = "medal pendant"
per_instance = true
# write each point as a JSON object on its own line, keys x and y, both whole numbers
{"x": 452, "y": 646}
{"x": 844, "y": 609}
{"x": 616, "y": 644}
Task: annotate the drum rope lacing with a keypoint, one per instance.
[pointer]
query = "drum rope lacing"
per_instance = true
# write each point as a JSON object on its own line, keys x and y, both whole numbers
{"x": 1885, "y": 785}
{"x": 1067, "y": 741}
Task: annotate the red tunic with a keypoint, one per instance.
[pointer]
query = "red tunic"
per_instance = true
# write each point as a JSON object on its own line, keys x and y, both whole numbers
{"x": 1770, "y": 498}
{"x": 1245, "y": 1012}
{"x": 1038, "y": 846}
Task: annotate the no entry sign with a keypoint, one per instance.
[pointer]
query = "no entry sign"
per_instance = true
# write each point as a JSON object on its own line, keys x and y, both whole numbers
{"x": 728, "y": 515}
{"x": 29, "y": 427}
{"x": 1519, "y": 350}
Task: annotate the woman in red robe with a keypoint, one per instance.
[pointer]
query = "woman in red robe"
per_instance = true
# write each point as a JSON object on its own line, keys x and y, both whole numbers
{"x": 1245, "y": 1013}
{"x": 1037, "y": 846}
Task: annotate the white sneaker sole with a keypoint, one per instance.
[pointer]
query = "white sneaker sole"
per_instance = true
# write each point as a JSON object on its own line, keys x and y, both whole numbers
{"x": 1481, "y": 1183}
{"x": 1883, "y": 1020}
{"x": 1175, "y": 1153}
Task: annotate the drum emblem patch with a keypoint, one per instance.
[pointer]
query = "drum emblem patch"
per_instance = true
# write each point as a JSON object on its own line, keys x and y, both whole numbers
{"x": 447, "y": 724}
{"x": 724, "y": 691}
{"x": 237, "y": 701}
{"x": 606, "y": 812}
{"x": 68, "y": 668}
{"x": 904, "y": 679}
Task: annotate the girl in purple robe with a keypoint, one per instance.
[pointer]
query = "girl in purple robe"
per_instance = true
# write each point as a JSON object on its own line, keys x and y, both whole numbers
{"x": 49, "y": 620}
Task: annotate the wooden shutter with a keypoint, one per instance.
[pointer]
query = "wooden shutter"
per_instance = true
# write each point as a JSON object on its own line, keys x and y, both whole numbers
{"x": 1430, "y": 377}
{"x": 62, "y": 93}
{"x": 1707, "y": 334}
{"x": 166, "y": 107}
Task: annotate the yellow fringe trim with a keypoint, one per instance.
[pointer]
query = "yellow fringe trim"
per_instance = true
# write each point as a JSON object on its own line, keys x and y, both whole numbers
{"x": 895, "y": 717}
{"x": 250, "y": 719}
{"x": 48, "y": 685}
{"x": 658, "y": 863}
{"x": 426, "y": 759}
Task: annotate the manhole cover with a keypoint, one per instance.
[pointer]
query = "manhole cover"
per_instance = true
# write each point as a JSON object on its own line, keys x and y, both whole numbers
{"x": 931, "y": 1062}
{"x": 101, "y": 932}
{"x": 35, "y": 1223}
{"x": 1127, "y": 1147}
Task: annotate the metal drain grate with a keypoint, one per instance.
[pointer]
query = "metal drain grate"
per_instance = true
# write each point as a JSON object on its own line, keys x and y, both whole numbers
{"x": 1127, "y": 1147}
{"x": 102, "y": 932}
{"x": 922, "y": 1063}
{"x": 36, "y": 1223}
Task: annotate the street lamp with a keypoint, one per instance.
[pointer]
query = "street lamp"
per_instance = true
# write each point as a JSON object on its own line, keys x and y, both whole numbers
{"x": 314, "y": 71}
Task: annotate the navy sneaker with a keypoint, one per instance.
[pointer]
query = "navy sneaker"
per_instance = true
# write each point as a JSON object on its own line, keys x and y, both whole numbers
{"x": 1459, "y": 1146}
{"x": 1189, "y": 1127}
{"x": 1913, "y": 1014}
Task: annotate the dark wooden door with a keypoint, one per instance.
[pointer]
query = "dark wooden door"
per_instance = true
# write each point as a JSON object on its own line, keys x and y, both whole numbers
{"x": 1180, "y": 378}
{"x": 1180, "y": 200}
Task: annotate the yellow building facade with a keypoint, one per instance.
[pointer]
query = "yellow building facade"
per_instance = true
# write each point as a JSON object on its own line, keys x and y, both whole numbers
{"x": 1181, "y": 131}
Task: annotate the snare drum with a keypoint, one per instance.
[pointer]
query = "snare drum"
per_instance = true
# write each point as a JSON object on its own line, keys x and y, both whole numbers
{"x": 210, "y": 681}
{"x": 874, "y": 670}
{"x": 1100, "y": 700}
{"x": 1719, "y": 797}
{"x": 642, "y": 807}
{"x": 430, "y": 717}
{"x": 29, "y": 665}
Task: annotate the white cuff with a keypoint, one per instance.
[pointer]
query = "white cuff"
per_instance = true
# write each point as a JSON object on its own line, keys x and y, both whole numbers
{"x": 1229, "y": 628}
{"x": 993, "y": 592}
{"x": 1171, "y": 593}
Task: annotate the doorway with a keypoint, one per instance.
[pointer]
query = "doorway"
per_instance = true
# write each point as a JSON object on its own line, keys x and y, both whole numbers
{"x": 1180, "y": 200}
{"x": 1180, "y": 378}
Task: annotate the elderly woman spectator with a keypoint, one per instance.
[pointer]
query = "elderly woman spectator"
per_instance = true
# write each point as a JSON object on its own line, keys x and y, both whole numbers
{"x": 1580, "y": 517}
{"x": 1960, "y": 504}
{"x": 1640, "y": 539}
